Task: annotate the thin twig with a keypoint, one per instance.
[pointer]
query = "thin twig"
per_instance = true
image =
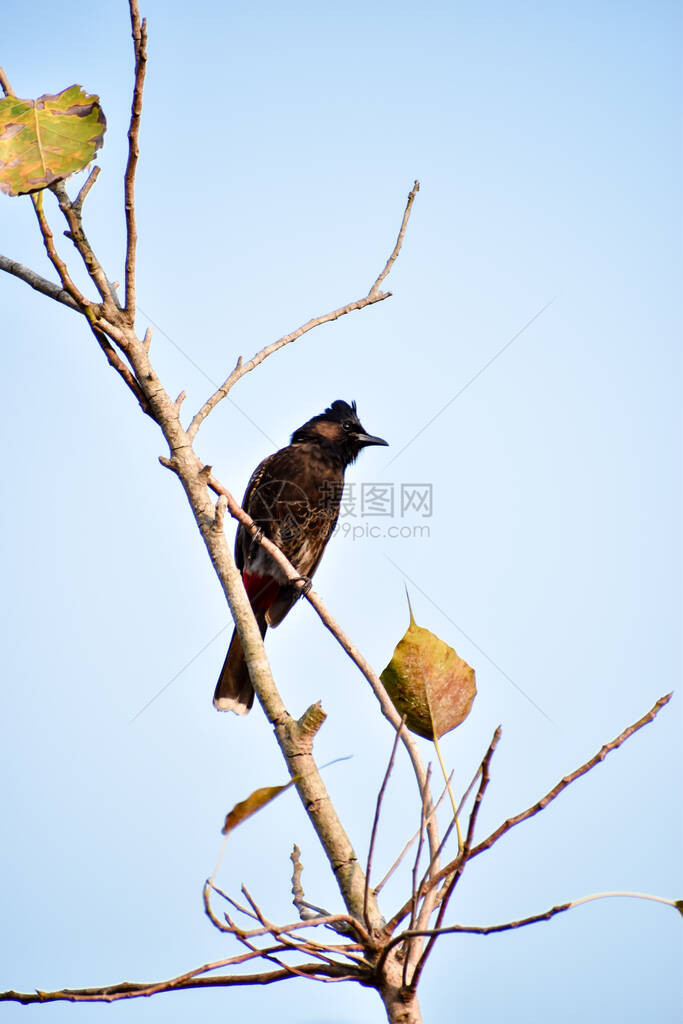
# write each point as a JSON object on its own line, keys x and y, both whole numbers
{"x": 568, "y": 779}
{"x": 410, "y": 953}
{"x": 447, "y": 834}
{"x": 139, "y": 30}
{"x": 374, "y": 295}
{"x": 286, "y": 943}
{"x": 541, "y": 804}
{"x": 380, "y": 885}
{"x": 399, "y": 241}
{"x": 78, "y": 237}
{"x": 85, "y": 188}
{"x": 375, "y": 823}
{"x": 456, "y": 820}
{"x": 521, "y": 923}
{"x": 463, "y": 854}
{"x": 304, "y": 911}
{"x": 54, "y": 257}
{"x": 297, "y": 925}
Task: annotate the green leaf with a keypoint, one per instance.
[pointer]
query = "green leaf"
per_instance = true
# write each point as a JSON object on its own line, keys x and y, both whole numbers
{"x": 254, "y": 802}
{"x": 429, "y": 683}
{"x": 45, "y": 140}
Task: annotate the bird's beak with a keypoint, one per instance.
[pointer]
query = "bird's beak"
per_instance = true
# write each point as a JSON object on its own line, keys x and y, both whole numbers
{"x": 367, "y": 439}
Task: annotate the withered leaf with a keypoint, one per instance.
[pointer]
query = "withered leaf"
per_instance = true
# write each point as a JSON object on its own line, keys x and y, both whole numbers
{"x": 254, "y": 802}
{"x": 429, "y": 683}
{"x": 45, "y": 140}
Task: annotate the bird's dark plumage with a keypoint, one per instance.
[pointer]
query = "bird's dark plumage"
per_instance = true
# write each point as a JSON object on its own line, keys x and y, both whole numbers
{"x": 294, "y": 496}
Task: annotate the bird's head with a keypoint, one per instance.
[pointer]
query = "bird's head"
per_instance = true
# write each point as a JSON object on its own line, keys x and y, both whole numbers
{"x": 338, "y": 428}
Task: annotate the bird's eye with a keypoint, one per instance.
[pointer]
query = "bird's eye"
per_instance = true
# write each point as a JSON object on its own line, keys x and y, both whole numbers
{"x": 347, "y": 425}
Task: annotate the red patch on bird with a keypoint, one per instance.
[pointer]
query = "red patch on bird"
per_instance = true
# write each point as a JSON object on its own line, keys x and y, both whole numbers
{"x": 261, "y": 590}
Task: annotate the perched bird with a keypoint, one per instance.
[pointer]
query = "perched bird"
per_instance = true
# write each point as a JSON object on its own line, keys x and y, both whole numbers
{"x": 294, "y": 496}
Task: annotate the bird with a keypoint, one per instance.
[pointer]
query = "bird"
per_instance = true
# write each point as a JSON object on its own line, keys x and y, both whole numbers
{"x": 293, "y": 496}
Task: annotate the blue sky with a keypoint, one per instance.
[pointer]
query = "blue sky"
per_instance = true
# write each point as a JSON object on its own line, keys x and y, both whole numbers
{"x": 278, "y": 147}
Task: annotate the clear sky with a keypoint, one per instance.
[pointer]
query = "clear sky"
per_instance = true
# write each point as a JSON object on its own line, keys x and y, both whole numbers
{"x": 278, "y": 146}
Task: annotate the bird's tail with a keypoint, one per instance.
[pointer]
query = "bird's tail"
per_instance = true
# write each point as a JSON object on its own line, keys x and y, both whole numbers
{"x": 234, "y": 691}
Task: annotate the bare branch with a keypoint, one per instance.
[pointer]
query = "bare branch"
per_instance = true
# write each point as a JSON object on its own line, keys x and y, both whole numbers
{"x": 399, "y": 241}
{"x": 542, "y": 803}
{"x": 85, "y": 188}
{"x": 412, "y": 952}
{"x": 131, "y": 990}
{"x": 351, "y": 925}
{"x": 374, "y": 295}
{"x": 378, "y": 888}
{"x": 522, "y": 922}
{"x": 54, "y": 257}
{"x": 307, "y": 911}
{"x": 568, "y": 779}
{"x": 139, "y": 29}
{"x": 319, "y": 971}
{"x": 40, "y": 284}
{"x": 447, "y": 834}
{"x": 78, "y": 237}
{"x": 475, "y": 929}
{"x": 242, "y": 368}
{"x": 378, "y": 808}
{"x": 463, "y": 855}
{"x": 306, "y": 945}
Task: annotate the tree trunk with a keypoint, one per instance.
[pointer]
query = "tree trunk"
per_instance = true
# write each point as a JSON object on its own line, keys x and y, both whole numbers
{"x": 400, "y": 1002}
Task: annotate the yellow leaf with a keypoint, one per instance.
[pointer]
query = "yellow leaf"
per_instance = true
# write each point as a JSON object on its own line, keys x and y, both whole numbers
{"x": 429, "y": 683}
{"x": 45, "y": 140}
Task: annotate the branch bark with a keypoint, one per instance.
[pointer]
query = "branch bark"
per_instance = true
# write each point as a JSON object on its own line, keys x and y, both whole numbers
{"x": 40, "y": 284}
{"x": 139, "y": 30}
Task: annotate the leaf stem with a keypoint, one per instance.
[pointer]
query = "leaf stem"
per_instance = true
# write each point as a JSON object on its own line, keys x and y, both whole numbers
{"x": 450, "y": 793}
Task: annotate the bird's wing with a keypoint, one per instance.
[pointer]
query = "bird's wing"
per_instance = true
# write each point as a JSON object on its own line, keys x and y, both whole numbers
{"x": 244, "y": 542}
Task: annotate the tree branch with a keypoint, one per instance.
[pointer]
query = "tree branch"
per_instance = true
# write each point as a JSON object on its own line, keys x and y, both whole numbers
{"x": 83, "y": 192}
{"x": 568, "y": 779}
{"x": 463, "y": 856}
{"x": 399, "y": 241}
{"x": 294, "y": 738}
{"x": 40, "y": 284}
{"x": 524, "y": 921}
{"x": 375, "y": 823}
{"x": 374, "y": 295}
{"x": 539, "y": 805}
{"x": 77, "y": 235}
{"x": 139, "y": 30}
{"x": 54, "y": 257}
{"x": 386, "y": 705}
{"x": 132, "y": 990}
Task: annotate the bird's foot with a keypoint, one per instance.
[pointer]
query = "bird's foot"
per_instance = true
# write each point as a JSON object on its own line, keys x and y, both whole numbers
{"x": 307, "y": 584}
